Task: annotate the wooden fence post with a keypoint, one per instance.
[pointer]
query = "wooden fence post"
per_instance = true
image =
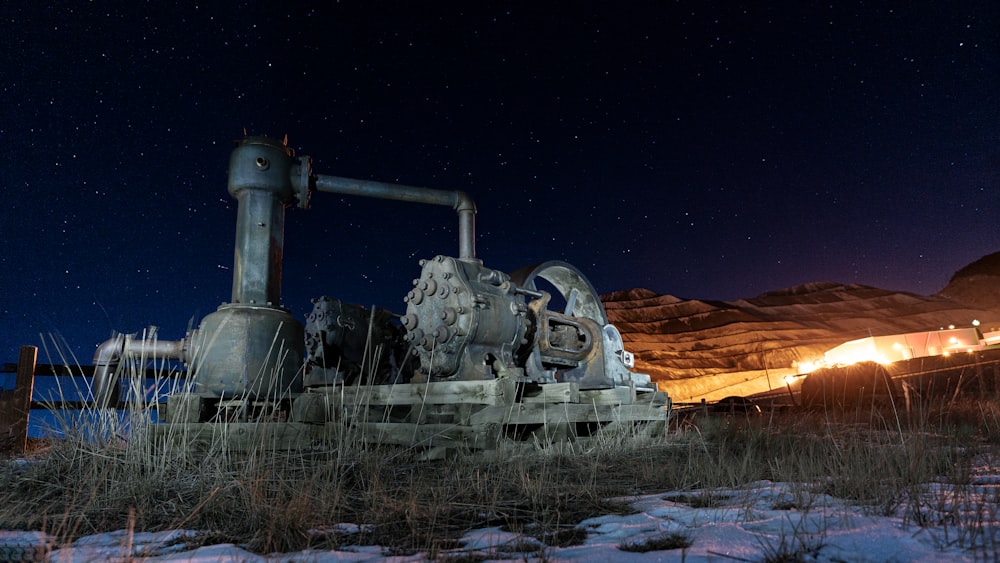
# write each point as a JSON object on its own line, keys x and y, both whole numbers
{"x": 15, "y": 406}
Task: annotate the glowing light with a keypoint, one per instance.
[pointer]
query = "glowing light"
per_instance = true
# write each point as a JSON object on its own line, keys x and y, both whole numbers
{"x": 888, "y": 349}
{"x": 806, "y": 367}
{"x": 790, "y": 379}
{"x": 855, "y": 351}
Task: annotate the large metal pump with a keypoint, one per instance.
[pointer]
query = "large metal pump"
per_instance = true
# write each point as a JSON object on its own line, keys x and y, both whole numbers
{"x": 468, "y": 322}
{"x": 463, "y": 321}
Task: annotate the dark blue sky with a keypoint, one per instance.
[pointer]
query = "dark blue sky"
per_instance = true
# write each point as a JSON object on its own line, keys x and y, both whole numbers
{"x": 693, "y": 148}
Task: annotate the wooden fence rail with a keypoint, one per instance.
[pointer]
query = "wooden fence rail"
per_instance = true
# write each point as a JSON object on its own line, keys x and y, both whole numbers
{"x": 15, "y": 405}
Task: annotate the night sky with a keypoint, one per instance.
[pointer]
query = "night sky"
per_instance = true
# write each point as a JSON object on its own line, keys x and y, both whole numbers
{"x": 701, "y": 150}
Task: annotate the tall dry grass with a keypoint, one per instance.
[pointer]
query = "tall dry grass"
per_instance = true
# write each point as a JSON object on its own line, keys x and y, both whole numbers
{"x": 105, "y": 473}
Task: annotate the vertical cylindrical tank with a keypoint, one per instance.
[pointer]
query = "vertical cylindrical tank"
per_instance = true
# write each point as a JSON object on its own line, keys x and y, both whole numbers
{"x": 252, "y": 347}
{"x": 251, "y": 351}
{"x": 260, "y": 180}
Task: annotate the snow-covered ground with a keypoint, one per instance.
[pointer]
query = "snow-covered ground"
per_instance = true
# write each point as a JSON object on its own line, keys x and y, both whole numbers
{"x": 757, "y": 522}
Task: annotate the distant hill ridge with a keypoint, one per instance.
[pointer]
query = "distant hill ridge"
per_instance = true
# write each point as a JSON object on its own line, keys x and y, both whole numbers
{"x": 977, "y": 284}
{"x": 676, "y": 338}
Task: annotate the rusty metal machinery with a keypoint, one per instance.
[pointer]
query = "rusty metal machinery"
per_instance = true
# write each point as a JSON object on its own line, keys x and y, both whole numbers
{"x": 463, "y": 320}
{"x": 469, "y": 322}
{"x": 347, "y": 344}
{"x": 578, "y": 345}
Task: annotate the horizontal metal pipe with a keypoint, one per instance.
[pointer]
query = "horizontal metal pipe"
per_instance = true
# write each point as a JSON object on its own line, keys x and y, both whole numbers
{"x": 110, "y": 351}
{"x": 158, "y": 349}
{"x": 457, "y": 200}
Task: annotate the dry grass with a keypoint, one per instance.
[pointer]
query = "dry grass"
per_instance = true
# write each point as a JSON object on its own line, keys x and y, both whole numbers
{"x": 104, "y": 477}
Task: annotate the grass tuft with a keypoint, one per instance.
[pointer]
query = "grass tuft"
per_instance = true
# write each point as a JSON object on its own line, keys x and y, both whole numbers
{"x": 661, "y": 542}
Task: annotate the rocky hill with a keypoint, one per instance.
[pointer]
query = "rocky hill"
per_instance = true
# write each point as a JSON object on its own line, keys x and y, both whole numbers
{"x": 977, "y": 284}
{"x": 724, "y": 344}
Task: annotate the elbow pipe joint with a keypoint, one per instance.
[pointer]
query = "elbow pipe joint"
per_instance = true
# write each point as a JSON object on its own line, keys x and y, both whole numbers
{"x": 108, "y": 357}
{"x": 106, "y": 360}
{"x": 464, "y": 203}
{"x": 457, "y": 200}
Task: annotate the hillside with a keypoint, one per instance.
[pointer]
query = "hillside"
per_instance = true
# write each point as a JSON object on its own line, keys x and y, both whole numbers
{"x": 977, "y": 284}
{"x": 683, "y": 340}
